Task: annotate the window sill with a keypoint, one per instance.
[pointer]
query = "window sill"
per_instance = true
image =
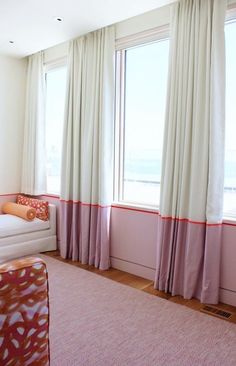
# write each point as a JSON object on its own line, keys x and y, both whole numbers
{"x": 136, "y": 207}
{"x": 230, "y": 220}
{"x": 53, "y": 195}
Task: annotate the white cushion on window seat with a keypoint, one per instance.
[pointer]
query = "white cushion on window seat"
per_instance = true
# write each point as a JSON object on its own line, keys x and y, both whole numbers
{"x": 12, "y": 225}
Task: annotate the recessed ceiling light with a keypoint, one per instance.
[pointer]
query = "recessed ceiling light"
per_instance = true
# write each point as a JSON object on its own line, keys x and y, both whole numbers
{"x": 58, "y": 19}
{"x": 11, "y": 42}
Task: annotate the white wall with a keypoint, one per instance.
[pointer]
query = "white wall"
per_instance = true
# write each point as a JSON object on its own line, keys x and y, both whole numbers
{"x": 141, "y": 23}
{"x": 12, "y": 103}
{"x": 55, "y": 53}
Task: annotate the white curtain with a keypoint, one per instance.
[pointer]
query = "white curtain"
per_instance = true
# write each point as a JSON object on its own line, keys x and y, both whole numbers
{"x": 189, "y": 235}
{"x": 87, "y": 158}
{"x": 34, "y": 152}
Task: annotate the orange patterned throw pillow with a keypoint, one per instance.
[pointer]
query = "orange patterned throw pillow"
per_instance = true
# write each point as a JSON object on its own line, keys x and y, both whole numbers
{"x": 41, "y": 207}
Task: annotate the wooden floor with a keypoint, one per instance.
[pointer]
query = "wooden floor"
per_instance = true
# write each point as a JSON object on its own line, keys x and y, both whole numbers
{"x": 143, "y": 285}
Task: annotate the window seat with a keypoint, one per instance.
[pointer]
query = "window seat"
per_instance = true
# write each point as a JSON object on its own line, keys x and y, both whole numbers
{"x": 19, "y": 237}
{"x": 12, "y": 225}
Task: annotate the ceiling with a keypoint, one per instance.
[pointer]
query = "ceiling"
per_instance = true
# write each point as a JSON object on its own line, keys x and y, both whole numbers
{"x": 32, "y": 26}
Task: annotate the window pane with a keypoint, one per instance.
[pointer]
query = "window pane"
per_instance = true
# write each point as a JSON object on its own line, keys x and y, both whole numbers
{"x": 145, "y": 99}
{"x": 230, "y": 136}
{"x": 55, "y": 101}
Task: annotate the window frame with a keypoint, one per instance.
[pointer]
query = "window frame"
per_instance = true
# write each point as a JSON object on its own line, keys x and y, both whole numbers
{"x": 50, "y": 66}
{"x": 230, "y": 13}
{"x": 136, "y": 40}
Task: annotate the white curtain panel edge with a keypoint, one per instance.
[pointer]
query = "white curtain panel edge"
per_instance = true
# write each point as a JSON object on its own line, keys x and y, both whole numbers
{"x": 33, "y": 179}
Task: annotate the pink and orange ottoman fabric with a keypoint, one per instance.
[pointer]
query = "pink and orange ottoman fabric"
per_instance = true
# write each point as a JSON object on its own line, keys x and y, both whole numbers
{"x": 24, "y": 313}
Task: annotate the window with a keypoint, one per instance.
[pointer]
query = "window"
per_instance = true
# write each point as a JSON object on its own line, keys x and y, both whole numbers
{"x": 230, "y": 135}
{"x": 55, "y": 101}
{"x": 141, "y": 98}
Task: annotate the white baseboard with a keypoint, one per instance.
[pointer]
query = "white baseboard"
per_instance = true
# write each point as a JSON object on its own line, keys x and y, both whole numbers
{"x": 228, "y": 297}
{"x": 134, "y": 268}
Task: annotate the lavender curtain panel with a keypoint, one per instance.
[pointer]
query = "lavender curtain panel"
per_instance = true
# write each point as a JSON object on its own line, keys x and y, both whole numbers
{"x": 87, "y": 159}
{"x": 190, "y": 221}
{"x": 34, "y": 158}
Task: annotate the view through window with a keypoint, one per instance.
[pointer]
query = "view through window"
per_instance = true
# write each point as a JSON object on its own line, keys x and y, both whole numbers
{"x": 145, "y": 85}
{"x": 55, "y": 101}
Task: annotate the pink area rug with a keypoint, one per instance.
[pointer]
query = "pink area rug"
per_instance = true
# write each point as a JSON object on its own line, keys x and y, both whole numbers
{"x": 98, "y": 322}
